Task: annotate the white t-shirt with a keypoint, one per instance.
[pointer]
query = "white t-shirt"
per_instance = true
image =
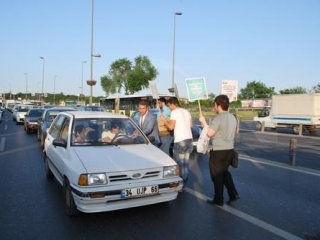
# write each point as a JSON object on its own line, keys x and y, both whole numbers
{"x": 182, "y": 129}
{"x": 108, "y": 134}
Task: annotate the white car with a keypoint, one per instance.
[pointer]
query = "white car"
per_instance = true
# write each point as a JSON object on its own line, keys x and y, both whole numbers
{"x": 19, "y": 112}
{"x": 103, "y": 174}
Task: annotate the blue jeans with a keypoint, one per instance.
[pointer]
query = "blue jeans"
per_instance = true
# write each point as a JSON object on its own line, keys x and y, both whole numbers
{"x": 181, "y": 154}
{"x": 166, "y": 143}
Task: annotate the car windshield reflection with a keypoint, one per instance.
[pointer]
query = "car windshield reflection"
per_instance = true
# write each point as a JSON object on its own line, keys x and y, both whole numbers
{"x": 106, "y": 131}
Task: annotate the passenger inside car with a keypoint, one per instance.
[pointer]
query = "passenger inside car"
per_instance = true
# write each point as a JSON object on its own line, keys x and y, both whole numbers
{"x": 79, "y": 134}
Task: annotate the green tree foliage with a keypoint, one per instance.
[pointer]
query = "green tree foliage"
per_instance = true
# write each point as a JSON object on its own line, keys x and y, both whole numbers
{"x": 256, "y": 90}
{"x": 131, "y": 77}
{"x": 209, "y": 102}
{"x": 316, "y": 88}
{"x": 296, "y": 90}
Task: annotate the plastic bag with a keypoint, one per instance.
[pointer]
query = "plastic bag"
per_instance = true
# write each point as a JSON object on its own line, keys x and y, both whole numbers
{"x": 203, "y": 141}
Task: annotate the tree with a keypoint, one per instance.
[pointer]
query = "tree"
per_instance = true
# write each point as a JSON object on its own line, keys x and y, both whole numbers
{"x": 123, "y": 74}
{"x": 256, "y": 89}
{"x": 209, "y": 102}
{"x": 296, "y": 90}
{"x": 316, "y": 88}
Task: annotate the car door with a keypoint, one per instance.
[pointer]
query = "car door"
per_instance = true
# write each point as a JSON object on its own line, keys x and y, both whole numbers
{"x": 57, "y": 154}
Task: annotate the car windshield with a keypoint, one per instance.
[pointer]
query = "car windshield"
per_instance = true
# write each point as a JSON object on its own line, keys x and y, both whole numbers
{"x": 106, "y": 131}
{"x": 35, "y": 113}
{"x": 50, "y": 116}
{"x": 24, "y": 108}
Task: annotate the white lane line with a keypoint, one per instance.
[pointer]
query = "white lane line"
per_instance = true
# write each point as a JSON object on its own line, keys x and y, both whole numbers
{"x": 248, "y": 218}
{"x": 281, "y": 165}
{"x": 2, "y": 144}
{"x": 36, "y": 145}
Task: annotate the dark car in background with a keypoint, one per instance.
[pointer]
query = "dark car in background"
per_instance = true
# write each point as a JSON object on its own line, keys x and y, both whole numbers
{"x": 31, "y": 119}
{"x": 46, "y": 119}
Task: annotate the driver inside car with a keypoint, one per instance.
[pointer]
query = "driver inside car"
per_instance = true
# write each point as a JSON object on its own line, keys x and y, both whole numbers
{"x": 108, "y": 136}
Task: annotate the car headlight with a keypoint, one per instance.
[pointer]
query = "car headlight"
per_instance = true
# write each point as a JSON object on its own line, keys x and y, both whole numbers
{"x": 171, "y": 171}
{"x": 92, "y": 179}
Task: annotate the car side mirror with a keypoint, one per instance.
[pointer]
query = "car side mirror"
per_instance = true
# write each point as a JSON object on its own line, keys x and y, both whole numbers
{"x": 59, "y": 143}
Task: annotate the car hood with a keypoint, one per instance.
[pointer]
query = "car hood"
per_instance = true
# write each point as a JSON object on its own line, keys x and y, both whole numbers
{"x": 122, "y": 158}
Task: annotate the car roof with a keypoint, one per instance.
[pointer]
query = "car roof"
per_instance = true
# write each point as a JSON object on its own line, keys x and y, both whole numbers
{"x": 36, "y": 109}
{"x": 89, "y": 114}
{"x": 60, "y": 109}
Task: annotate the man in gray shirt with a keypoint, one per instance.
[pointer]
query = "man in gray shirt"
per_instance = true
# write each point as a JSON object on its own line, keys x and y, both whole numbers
{"x": 223, "y": 129}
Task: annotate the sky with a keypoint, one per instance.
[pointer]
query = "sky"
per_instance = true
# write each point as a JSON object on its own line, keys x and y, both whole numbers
{"x": 276, "y": 42}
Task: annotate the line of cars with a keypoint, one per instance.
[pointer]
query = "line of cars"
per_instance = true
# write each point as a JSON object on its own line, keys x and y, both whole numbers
{"x": 96, "y": 175}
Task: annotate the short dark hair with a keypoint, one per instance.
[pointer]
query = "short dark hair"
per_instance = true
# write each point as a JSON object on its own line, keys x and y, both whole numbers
{"x": 78, "y": 128}
{"x": 162, "y": 99}
{"x": 115, "y": 124}
{"x": 144, "y": 103}
{"x": 174, "y": 101}
{"x": 223, "y": 101}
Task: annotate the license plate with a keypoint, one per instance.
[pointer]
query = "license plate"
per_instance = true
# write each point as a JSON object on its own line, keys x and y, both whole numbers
{"x": 141, "y": 191}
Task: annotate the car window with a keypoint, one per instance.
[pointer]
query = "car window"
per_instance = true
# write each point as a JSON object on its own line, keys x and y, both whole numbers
{"x": 56, "y": 126}
{"x": 64, "y": 130}
{"x": 106, "y": 131}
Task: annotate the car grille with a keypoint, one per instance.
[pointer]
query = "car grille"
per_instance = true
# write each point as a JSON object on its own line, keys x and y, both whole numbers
{"x": 133, "y": 176}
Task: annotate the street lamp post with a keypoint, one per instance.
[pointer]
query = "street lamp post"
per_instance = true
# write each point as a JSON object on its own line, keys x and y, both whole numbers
{"x": 91, "y": 82}
{"x": 173, "y": 55}
{"x": 83, "y": 62}
{"x": 42, "y": 87}
{"x": 26, "y": 75}
{"x": 54, "y": 89}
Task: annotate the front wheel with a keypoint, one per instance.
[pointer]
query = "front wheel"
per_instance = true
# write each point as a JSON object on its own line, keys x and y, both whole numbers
{"x": 70, "y": 206}
{"x": 42, "y": 139}
{"x": 258, "y": 126}
{"x": 38, "y": 135}
{"x": 295, "y": 129}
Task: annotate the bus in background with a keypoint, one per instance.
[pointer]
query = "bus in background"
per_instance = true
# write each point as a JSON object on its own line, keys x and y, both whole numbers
{"x": 72, "y": 104}
{"x": 129, "y": 103}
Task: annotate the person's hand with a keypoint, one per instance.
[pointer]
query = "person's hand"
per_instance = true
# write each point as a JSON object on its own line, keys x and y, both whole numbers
{"x": 162, "y": 118}
{"x": 202, "y": 120}
{"x": 106, "y": 139}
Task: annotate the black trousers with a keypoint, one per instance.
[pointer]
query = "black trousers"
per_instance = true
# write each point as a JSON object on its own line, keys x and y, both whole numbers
{"x": 219, "y": 163}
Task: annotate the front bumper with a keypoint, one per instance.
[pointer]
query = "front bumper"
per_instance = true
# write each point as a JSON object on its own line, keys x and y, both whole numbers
{"x": 110, "y": 198}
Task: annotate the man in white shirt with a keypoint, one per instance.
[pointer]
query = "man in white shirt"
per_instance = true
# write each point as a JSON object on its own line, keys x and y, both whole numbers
{"x": 181, "y": 122}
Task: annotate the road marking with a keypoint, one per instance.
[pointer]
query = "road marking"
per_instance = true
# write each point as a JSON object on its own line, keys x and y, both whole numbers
{"x": 2, "y": 144}
{"x": 248, "y": 218}
{"x": 36, "y": 145}
{"x": 280, "y": 134}
{"x": 281, "y": 165}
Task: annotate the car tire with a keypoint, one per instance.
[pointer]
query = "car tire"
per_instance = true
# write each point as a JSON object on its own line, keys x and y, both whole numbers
{"x": 258, "y": 126}
{"x": 48, "y": 172}
{"x": 70, "y": 206}
{"x": 38, "y": 135}
{"x": 295, "y": 129}
{"x": 42, "y": 141}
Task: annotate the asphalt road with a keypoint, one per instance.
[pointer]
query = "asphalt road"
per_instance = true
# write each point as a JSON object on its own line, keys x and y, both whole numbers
{"x": 278, "y": 201}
